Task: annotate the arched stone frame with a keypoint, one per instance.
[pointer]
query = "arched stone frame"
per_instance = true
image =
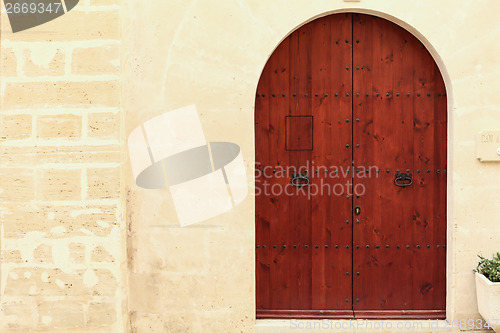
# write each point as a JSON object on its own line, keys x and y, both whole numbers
{"x": 449, "y": 92}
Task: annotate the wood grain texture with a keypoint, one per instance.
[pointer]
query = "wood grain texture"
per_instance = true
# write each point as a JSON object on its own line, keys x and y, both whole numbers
{"x": 359, "y": 95}
{"x": 402, "y": 128}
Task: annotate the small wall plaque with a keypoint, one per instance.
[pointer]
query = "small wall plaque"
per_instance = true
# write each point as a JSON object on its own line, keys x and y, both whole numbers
{"x": 488, "y": 146}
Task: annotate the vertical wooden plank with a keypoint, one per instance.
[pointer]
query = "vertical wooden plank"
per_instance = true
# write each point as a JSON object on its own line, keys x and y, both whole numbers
{"x": 279, "y": 85}
{"x": 263, "y": 217}
{"x": 270, "y": 131}
{"x": 440, "y": 224}
{"x": 331, "y": 210}
{"x": 321, "y": 81}
{"x": 300, "y": 206}
{"x": 423, "y": 284}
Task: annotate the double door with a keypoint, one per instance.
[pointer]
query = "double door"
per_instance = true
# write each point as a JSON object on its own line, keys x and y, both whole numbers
{"x": 350, "y": 131}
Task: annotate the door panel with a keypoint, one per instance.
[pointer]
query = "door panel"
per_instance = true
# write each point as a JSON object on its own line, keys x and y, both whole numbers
{"x": 304, "y": 243}
{"x": 347, "y": 101}
{"x": 401, "y": 106}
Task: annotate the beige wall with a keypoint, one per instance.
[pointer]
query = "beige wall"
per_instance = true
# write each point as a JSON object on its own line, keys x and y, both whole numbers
{"x": 66, "y": 198}
{"x": 211, "y": 54}
{"x": 61, "y": 205}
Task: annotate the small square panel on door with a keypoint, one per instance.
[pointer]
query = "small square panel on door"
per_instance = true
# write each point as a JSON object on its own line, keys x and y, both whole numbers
{"x": 299, "y": 133}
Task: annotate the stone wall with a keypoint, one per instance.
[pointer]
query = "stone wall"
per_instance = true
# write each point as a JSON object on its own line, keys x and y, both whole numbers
{"x": 61, "y": 161}
{"x": 74, "y": 88}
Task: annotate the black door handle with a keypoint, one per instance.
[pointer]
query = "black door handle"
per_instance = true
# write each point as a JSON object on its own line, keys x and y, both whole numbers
{"x": 403, "y": 179}
{"x": 300, "y": 180}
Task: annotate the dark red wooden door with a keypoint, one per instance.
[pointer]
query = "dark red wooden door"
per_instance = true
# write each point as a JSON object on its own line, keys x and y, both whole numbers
{"x": 350, "y": 108}
{"x": 400, "y": 126}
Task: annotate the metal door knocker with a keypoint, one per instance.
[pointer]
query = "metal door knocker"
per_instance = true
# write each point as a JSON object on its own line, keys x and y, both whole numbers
{"x": 300, "y": 180}
{"x": 403, "y": 179}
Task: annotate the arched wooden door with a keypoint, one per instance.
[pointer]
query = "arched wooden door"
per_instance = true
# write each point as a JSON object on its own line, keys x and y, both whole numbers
{"x": 350, "y": 131}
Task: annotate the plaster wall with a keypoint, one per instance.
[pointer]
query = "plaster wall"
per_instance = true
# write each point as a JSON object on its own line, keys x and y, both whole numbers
{"x": 211, "y": 54}
{"x": 84, "y": 249}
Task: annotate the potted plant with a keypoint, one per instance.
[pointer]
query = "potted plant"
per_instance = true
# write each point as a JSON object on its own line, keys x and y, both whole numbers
{"x": 488, "y": 290}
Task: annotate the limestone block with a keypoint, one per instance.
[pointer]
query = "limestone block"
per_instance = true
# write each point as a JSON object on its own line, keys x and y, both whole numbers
{"x": 67, "y": 126}
{"x": 8, "y": 65}
{"x": 103, "y": 183}
{"x": 47, "y": 61}
{"x": 105, "y": 125}
{"x": 16, "y": 184}
{"x": 15, "y": 127}
{"x": 101, "y": 314}
{"x": 98, "y": 93}
{"x": 60, "y": 314}
{"x": 96, "y": 60}
{"x": 55, "y": 184}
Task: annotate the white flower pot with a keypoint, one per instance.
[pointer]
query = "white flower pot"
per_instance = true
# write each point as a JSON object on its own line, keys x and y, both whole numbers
{"x": 488, "y": 300}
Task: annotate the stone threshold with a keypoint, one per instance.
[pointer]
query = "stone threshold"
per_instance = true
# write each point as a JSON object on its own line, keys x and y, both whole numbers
{"x": 357, "y": 325}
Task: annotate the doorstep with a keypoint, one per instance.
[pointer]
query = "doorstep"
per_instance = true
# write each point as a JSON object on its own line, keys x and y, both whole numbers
{"x": 355, "y": 325}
